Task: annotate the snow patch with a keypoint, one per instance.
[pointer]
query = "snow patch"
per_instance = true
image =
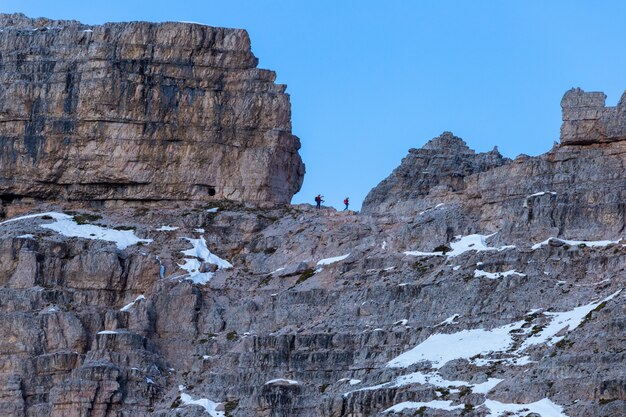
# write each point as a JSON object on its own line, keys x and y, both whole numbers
{"x": 569, "y": 320}
{"x": 540, "y": 193}
{"x": 108, "y": 332}
{"x": 208, "y": 405}
{"x": 167, "y": 228}
{"x": 26, "y": 236}
{"x": 449, "y": 320}
{"x": 328, "y": 261}
{"x": 440, "y": 348}
{"x": 131, "y": 304}
{"x": 199, "y": 252}
{"x": 544, "y": 407}
{"x": 65, "y": 225}
{"x": 590, "y": 243}
{"x": 495, "y": 275}
{"x": 435, "y": 404}
{"x": 432, "y": 208}
{"x": 282, "y": 381}
{"x": 474, "y": 242}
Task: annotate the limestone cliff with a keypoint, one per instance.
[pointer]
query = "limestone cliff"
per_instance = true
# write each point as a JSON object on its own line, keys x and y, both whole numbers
{"x": 140, "y": 111}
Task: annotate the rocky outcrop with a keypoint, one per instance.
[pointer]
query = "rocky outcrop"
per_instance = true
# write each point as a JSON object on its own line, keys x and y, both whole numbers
{"x": 443, "y": 163}
{"x": 586, "y": 119}
{"x": 140, "y": 111}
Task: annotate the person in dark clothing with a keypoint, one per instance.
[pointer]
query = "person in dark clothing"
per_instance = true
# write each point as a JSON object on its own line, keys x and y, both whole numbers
{"x": 319, "y": 201}
{"x": 347, "y": 203}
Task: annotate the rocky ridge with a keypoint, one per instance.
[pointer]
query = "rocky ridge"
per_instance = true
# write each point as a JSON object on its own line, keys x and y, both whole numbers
{"x": 140, "y": 111}
{"x": 471, "y": 285}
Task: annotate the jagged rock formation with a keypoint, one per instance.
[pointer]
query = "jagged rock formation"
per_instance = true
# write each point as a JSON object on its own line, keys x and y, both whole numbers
{"x": 140, "y": 111}
{"x": 586, "y": 119}
{"x": 448, "y": 300}
{"x": 444, "y": 162}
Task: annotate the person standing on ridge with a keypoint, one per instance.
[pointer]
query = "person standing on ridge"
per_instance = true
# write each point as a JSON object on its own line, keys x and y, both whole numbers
{"x": 319, "y": 201}
{"x": 347, "y": 203}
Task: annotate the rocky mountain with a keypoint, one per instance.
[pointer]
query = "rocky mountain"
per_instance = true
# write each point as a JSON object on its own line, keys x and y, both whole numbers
{"x": 140, "y": 112}
{"x": 470, "y": 285}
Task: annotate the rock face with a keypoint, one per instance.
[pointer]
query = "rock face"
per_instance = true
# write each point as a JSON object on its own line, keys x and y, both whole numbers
{"x": 444, "y": 163}
{"x": 586, "y": 119}
{"x": 140, "y": 111}
{"x": 471, "y": 285}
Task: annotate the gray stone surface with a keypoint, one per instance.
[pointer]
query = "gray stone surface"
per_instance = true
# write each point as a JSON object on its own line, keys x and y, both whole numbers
{"x": 587, "y": 119}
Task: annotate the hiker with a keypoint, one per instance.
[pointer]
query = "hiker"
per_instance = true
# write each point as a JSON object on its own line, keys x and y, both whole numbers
{"x": 347, "y": 203}
{"x": 319, "y": 201}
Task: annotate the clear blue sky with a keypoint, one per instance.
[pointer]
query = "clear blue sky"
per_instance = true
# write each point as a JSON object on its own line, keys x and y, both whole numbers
{"x": 371, "y": 79}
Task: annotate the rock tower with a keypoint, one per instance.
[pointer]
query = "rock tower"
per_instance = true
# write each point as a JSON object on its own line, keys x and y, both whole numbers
{"x": 587, "y": 119}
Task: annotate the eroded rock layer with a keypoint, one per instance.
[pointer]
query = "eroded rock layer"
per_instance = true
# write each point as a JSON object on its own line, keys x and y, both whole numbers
{"x": 140, "y": 111}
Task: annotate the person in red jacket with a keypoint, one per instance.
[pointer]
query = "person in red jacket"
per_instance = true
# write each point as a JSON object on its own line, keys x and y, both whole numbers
{"x": 318, "y": 200}
{"x": 346, "y": 202}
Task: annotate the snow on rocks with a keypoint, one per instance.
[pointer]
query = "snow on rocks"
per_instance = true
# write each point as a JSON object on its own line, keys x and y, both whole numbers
{"x": 131, "y": 304}
{"x": 544, "y": 407}
{"x": 431, "y": 208}
{"x": 449, "y": 320}
{"x": 495, "y": 275}
{"x": 569, "y": 320}
{"x": 67, "y": 226}
{"x": 282, "y": 381}
{"x": 540, "y": 193}
{"x": 474, "y": 242}
{"x": 434, "y": 379}
{"x": 198, "y": 255}
{"x": 419, "y": 253}
{"x": 328, "y": 261}
{"x": 208, "y": 405}
{"x": 440, "y": 348}
{"x": 590, "y": 243}
{"x": 435, "y": 404}
{"x": 167, "y": 228}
